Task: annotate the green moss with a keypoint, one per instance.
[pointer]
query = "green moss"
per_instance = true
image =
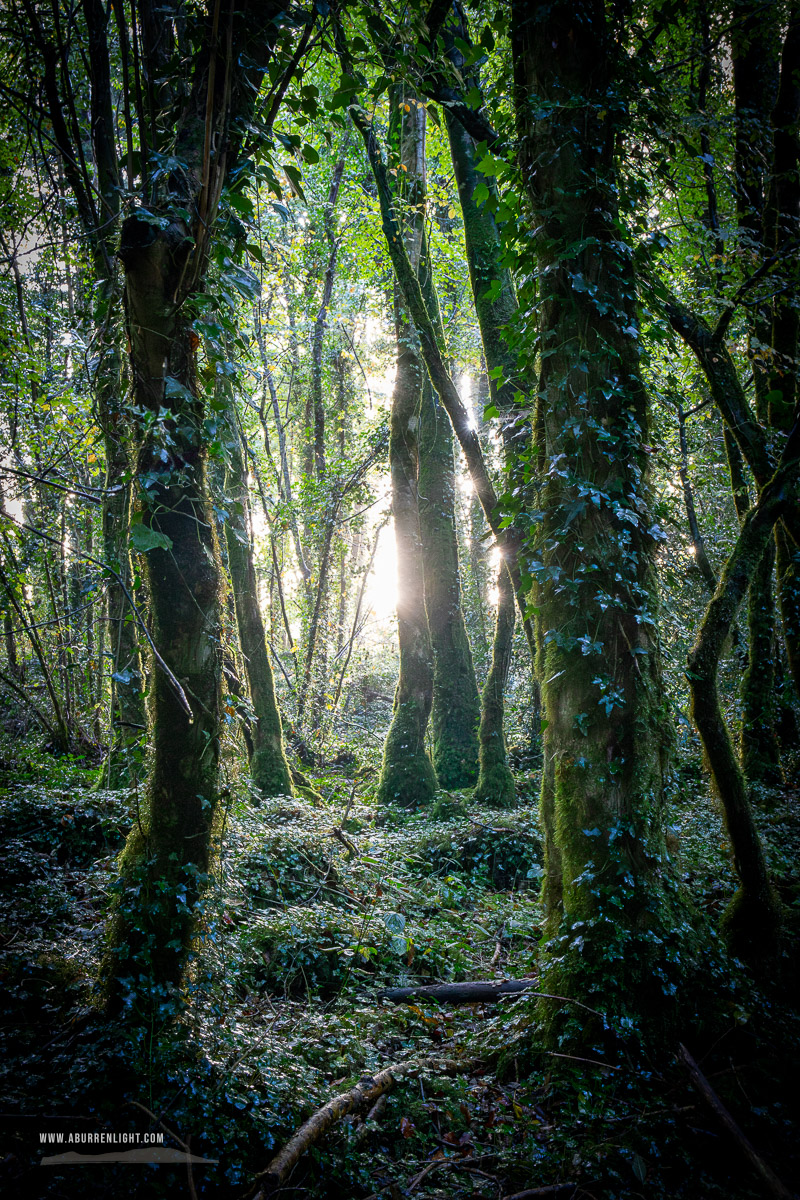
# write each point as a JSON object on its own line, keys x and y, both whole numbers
{"x": 407, "y": 778}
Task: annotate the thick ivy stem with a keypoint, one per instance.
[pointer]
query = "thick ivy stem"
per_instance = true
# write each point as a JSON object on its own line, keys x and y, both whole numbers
{"x": 495, "y": 784}
{"x": 788, "y": 563}
{"x": 269, "y": 769}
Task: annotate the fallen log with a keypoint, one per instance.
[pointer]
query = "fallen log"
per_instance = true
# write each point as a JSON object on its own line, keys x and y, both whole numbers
{"x": 367, "y": 1091}
{"x": 774, "y": 1185}
{"x": 477, "y": 991}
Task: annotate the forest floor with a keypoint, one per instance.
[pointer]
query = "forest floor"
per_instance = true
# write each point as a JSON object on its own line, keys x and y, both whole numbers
{"x": 314, "y": 910}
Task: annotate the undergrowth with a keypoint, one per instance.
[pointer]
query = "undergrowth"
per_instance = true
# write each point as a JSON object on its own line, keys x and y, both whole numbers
{"x": 314, "y": 910}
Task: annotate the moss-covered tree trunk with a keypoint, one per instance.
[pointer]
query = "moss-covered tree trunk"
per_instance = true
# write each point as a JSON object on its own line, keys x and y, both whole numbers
{"x": 166, "y": 859}
{"x": 495, "y": 785}
{"x": 456, "y": 705}
{"x": 594, "y": 562}
{"x": 269, "y": 769}
{"x": 760, "y": 750}
{"x": 752, "y": 922}
{"x": 407, "y": 776}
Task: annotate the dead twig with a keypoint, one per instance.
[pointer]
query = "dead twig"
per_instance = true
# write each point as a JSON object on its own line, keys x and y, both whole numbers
{"x": 550, "y": 1189}
{"x": 367, "y": 1091}
{"x": 774, "y": 1184}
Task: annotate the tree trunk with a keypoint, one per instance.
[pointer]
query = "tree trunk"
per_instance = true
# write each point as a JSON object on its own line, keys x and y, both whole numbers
{"x": 594, "y": 562}
{"x": 407, "y": 776}
{"x": 165, "y": 862}
{"x": 753, "y": 920}
{"x": 456, "y": 705}
{"x": 760, "y": 749}
{"x": 166, "y": 858}
{"x": 269, "y": 769}
{"x": 495, "y": 784}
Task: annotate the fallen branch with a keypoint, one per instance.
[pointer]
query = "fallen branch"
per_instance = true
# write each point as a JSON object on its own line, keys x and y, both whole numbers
{"x": 775, "y": 1185}
{"x": 551, "y": 1189}
{"x": 367, "y": 1091}
{"x": 478, "y": 991}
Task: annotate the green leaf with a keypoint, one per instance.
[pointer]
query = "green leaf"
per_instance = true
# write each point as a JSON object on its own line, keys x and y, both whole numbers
{"x": 490, "y": 411}
{"x": 143, "y": 539}
{"x": 310, "y": 154}
{"x": 175, "y": 390}
{"x": 481, "y": 193}
{"x": 296, "y": 179}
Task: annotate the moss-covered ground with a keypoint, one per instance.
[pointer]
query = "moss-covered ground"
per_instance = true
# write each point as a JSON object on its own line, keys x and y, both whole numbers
{"x": 314, "y": 909}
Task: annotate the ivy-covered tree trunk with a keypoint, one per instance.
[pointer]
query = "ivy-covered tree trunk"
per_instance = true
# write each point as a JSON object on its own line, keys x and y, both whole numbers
{"x": 495, "y": 784}
{"x": 165, "y": 861}
{"x": 594, "y": 562}
{"x": 166, "y": 857}
{"x": 269, "y": 769}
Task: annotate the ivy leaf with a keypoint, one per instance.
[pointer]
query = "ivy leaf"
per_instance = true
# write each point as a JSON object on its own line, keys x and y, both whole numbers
{"x": 175, "y": 390}
{"x": 143, "y": 539}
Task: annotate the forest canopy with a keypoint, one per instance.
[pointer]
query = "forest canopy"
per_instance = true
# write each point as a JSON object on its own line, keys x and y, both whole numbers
{"x": 400, "y": 589}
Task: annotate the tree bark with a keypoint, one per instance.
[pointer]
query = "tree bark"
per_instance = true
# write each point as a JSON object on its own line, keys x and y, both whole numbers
{"x": 495, "y": 784}
{"x": 165, "y": 862}
{"x": 595, "y": 554}
{"x": 752, "y": 921}
{"x": 456, "y": 705}
{"x": 269, "y": 769}
{"x": 407, "y": 775}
